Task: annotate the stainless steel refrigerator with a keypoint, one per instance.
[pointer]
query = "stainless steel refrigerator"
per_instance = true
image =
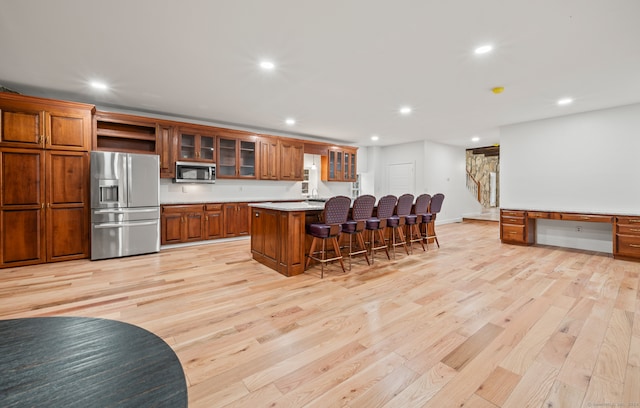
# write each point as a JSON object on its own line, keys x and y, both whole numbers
{"x": 125, "y": 204}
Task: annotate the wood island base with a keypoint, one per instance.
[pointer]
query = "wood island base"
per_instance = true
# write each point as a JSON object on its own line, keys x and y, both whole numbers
{"x": 278, "y": 234}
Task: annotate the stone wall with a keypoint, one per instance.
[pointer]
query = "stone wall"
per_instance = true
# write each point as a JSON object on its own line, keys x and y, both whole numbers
{"x": 479, "y": 166}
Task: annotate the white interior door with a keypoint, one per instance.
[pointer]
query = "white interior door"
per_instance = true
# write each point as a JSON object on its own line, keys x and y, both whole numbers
{"x": 401, "y": 178}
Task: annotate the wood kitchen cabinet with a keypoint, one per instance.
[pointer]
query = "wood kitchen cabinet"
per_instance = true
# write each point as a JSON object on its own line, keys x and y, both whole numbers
{"x": 278, "y": 238}
{"x": 236, "y": 157}
{"x": 29, "y": 122}
{"x": 339, "y": 164}
{"x": 44, "y": 209}
{"x": 195, "y": 144}
{"x": 291, "y": 160}
{"x": 118, "y": 132}
{"x": 213, "y": 221}
{"x": 269, "y": 163}
{"x": 350, "y": 168}
{"x": 167, "y": 146}
{"x": 196, "y": 222}
{"x": 236, "y": 219}
{"x": 181, "y": 223}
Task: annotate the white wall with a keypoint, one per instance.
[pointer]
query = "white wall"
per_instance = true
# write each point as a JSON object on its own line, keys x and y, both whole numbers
{"x": 585, "y": 162}
{"x": 445, "y": 172}
{"x": 439, "y": 168}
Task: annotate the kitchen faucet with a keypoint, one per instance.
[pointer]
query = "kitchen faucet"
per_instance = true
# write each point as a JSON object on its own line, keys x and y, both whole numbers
{"x": 314, "y": 193}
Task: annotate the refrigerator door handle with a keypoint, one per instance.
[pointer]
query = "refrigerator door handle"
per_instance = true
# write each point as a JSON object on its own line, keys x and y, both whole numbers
{"x": 125, "y": 224}
{"x": 125, "y": 211}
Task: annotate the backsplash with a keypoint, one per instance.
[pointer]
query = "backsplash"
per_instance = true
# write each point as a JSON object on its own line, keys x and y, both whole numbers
{"x": 242, "y": 190}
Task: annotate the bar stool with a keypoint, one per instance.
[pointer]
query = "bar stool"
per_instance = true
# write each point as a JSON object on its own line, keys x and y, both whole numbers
{"x": 434, "y": 208}
{"x": 378, "y": 224}
{"x": 420, "y": 210}
{"x": 397, "y": 222}
{"x": 335, "y": 213}
{"x": 360, "y": 213}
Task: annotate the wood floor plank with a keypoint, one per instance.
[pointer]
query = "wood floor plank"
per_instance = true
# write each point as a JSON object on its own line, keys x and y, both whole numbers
{"x": 564, "y": 395}
{"x": 534, "y": 387}
{"x": 498, "y": 386}
{"x": 467, "y": 351}
{"x": 422, "y": 389}
{"x": 520, "y": 326}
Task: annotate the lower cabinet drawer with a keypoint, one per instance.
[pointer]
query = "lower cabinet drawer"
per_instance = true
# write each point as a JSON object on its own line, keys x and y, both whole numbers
{"x": 513, "y": 233}
{"x": 538, "y": 214}
{"x": 512, "y": 220}
{"x": 628, "y": 220}
{"x": 586, "y": 217}
{"x": 625, "y": 229}
{"x": 627, "y": 245}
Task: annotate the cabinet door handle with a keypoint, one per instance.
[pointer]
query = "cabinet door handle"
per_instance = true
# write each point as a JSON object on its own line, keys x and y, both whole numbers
{"x": 634, "y": 245}
{"x": 257, "y": 214}
{"x": 634, "y": 220}
{"x": 634, "y": 229}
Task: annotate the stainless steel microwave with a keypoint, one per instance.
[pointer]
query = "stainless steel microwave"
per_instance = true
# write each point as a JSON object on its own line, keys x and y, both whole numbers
{"x": 192, "y": 172}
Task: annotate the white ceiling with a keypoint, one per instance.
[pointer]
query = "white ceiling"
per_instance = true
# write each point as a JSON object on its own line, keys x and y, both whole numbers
{"x": 344, "y": 67}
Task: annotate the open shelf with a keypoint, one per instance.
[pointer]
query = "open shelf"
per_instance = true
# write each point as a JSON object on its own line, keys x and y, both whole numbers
{"x": 126, "y": 137}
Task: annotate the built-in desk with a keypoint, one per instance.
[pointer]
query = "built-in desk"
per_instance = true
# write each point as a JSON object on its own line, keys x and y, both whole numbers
{"x": 519, "y": 227}
{"x": 278, "y": 234}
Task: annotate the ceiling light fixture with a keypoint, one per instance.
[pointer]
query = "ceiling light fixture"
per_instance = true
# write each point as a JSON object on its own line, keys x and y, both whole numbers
{"x": 313, "y": 165}
{"x": 564, "y": 101}
{"x": 475, "y": 139}
{"x": 99, "y": 85}
{"x": 267, "y": 65}
{"x": 290, "y": 121}
{"x": 483, "y": 49}
{"x": 405, "y": 110}
{"x": 374, "y": 137}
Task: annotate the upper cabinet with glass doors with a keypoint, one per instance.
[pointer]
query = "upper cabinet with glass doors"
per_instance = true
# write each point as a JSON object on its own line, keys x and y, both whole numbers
{"x": 236, "y": 156}
{"x": 195, "y": 145}
{"x": 339, "y": 164}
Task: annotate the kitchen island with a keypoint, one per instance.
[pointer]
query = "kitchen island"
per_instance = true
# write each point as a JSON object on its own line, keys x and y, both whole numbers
{"x": 278, "y": 238}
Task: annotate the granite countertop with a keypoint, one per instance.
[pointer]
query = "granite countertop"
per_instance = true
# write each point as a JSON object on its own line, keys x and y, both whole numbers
{"x": 290, "y": 206}
{"x": 225, "y": 201}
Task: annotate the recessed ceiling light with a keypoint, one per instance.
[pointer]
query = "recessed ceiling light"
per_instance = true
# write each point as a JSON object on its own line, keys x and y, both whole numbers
{"x": 99, "y": 85}
{"x": 290, "y": 121}
{"x": 483, "y": 49}
{"x": 374, "y": 137}
{"x": 564, "y": 101}
{"x": 405, "y": 110}
{"x": 268, "y": 65}
{"x": 475, "y": 139}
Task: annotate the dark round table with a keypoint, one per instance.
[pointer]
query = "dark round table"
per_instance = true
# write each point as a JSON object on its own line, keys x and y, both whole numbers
{"x": 85, "y": 362}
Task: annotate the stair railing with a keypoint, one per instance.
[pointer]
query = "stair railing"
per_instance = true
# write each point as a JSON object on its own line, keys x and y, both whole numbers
{"x": 473, "y": 186}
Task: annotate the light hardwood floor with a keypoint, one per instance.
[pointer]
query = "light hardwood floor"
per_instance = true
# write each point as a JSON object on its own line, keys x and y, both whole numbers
{"x": 474, "y": 323}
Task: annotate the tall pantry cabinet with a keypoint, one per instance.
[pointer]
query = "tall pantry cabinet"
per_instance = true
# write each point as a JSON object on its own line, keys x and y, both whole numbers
{"x": 44, "y": 180}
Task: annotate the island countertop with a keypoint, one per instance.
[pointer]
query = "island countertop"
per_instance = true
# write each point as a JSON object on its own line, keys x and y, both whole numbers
{"x": 290, "y": 206}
